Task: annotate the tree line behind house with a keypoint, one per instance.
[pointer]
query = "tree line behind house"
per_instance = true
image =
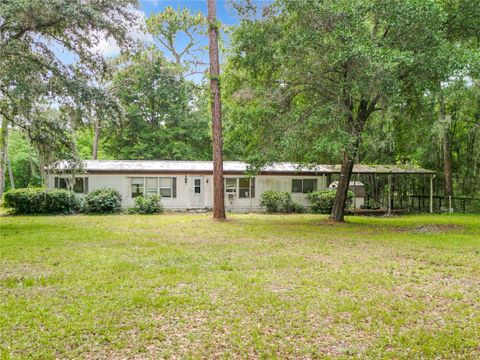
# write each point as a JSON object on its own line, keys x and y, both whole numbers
{"x": 401, "y": 86}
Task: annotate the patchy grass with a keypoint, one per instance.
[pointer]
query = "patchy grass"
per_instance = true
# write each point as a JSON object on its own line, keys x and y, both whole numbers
{"x": 257, "y": 286}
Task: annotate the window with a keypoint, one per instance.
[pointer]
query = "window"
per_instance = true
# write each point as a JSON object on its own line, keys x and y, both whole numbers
{"x": 231, "y": 186}
{"x": 197, "y": 186}
{"x": 137, "y": 187}
{"x": 297, "y": 186}
{"x": 164, "y": 186}
{"x": 151, "y": 186}
{"x": 60, "y": 183}
{"x": 309, "y": 185}
{"x": 304, "y": 185}
{"x": 245, "y": 187}
{"x": 80, "y": 186}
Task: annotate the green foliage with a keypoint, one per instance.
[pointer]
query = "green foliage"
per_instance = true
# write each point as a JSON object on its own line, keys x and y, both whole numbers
{"x": 177, "y": 32}
{"x": 147, "y": 205}
{"x": 279, "y": 202}
{"x": 165, "y": 115}
{"x": 297, "y": 208}
{"x": 304, "y": 77}
{"x": 84, "y": 140}
{"x": 103, "y": 201}
{"x": 322, "y": 201}
{"x": 412, "y": 134}
{"x": 24, "y": 161}
{"x": 275, "y": 201}
{"x": 32, "y": 75}
{"x": 41, "y": 201}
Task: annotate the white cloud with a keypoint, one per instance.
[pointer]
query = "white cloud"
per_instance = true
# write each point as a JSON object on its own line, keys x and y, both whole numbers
{"x": 108, "y": 47}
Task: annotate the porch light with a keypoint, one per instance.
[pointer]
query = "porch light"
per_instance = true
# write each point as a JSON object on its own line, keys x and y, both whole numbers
{"x": 186, "y": 179}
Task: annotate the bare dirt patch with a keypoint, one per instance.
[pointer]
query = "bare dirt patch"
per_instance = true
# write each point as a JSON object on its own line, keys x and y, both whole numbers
{"x": 435, "y": 228}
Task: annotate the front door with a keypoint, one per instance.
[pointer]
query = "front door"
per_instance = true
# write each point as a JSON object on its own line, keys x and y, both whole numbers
{"x": 197, "y": 192}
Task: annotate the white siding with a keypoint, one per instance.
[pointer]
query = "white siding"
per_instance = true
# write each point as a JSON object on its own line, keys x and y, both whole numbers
{"x": 184, "y": 198}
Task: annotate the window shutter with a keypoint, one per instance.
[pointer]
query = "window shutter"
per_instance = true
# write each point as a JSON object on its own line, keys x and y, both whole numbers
{"x": 85, "y": 185}
{"x": 56, "y": 182}
{"x": 174, "y": 187}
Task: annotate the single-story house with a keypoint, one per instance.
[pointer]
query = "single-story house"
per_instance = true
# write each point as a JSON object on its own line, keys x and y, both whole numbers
{"x": 187, "y": 185}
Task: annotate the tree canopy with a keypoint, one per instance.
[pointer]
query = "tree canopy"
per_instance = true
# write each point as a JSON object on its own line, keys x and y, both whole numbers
{"x": 312, "y": 82}
{"x": 165, "y": 115}
{"x": 307, "y": 76}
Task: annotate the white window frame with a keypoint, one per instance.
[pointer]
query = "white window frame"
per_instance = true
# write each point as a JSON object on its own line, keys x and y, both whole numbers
{"x": 170, "y": 187}
{"x": 236, "y": 190}
{"x": 230, "y": 190}
{"x": 158, "y": 186}
{"x": 315, "y": 187}
{"x": 147, "y": 187}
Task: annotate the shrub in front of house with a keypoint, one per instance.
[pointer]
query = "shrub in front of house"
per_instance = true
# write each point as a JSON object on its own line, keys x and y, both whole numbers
{"x": 147, "y": 205}
{"x": 279, "y": 202}
{"x": 41, "y": 201}
{"x": 103, "y": 201}
{"x": 321, "y": 202}
{"x": 297, "y": 208}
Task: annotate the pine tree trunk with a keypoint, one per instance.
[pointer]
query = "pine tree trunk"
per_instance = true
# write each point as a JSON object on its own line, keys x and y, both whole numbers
{"x": 342, "y": 189}
{"x": 96, "y": 139}
{"x": 3, "y": 155}
{"x": 218, "y": 187}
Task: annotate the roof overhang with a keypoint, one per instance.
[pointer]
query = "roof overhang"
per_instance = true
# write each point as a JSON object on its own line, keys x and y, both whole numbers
{"x": 132, "y": 167}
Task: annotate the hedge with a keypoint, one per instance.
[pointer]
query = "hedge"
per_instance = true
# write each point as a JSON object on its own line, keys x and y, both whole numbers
{"x": 41, "y": 201}
{"x": 322, "y": 201}
{"x": 103, "y": 201}
{"x": 279, "y": 202}
{"x": 147, "y": 205}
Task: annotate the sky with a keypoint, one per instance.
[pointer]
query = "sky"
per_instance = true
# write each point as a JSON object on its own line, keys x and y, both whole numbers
{"x": 225, "y": 13}
{"x": 108, "y": 48}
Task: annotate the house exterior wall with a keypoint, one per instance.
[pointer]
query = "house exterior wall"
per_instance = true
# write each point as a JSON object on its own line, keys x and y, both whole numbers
{"x": 186, "y": 198}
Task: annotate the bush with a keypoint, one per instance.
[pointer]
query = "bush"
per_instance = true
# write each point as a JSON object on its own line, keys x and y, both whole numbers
{"x": 41, "y": 201}
{"x": 103, "y": 201}
{"x": 276, "y": 201}
{"x": 297, "y": 208}
{"x": 322, "y": 201}
{"x": 279, "y": 201}
{"x": 147, "y": 205}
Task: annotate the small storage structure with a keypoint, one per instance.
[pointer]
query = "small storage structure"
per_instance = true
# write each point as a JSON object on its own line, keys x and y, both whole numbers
{"x": 358, "y": 190}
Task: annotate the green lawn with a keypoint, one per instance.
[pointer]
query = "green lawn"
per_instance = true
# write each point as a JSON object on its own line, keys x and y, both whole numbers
{"x": 257, "y": 286}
